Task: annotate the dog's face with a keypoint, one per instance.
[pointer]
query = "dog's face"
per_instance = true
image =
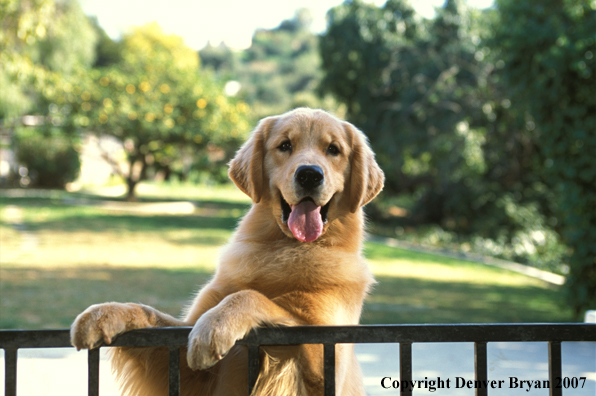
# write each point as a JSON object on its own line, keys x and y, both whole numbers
{"x": 310, "y": 168}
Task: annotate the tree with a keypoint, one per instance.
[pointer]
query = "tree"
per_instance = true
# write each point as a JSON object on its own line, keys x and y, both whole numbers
{"x": 430, "y": 96}
{"x": 416, "y": 88}
{"x": 107, "y": 51}
{"x": 220, "y": 59}
{"x": 279, "y": 71}
{"x": 69, "y": 42}
{"x": 40, "y": 41}
{"x": 156, "y": 101}
{"x": 547, "y": 49}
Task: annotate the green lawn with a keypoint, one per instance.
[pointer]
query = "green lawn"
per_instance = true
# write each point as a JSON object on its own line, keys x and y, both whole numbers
{"x": 56, "y": 258}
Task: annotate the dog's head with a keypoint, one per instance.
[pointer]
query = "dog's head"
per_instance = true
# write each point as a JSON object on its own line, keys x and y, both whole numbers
{"x": 310, "y": 168}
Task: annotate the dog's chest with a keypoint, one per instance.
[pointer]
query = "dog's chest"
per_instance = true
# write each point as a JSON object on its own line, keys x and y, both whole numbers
{"x": 294, "y": 267}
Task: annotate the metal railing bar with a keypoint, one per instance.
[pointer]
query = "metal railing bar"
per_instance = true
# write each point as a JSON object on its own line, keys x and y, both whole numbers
{"x": 34, "y": 338}
{"x": 480, "y": 367}
{"x": 554, "y": 367}
{"x": 421, "y": 333}
{"x": 174, "y": 371}
{"x": 253, "y": 366}
{"x": 329, "y": 369}
{"x": 178, "y": 336}
{"x": 405, "y": 366}
{"x": 93, "y": 372}
{"x": 10, "y": 371}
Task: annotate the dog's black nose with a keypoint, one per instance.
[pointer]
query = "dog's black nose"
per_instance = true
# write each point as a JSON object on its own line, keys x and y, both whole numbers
{"x": 309, "y": 176}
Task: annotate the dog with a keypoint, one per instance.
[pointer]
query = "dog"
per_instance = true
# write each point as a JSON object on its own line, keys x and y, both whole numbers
{"x": 295, "y": 259}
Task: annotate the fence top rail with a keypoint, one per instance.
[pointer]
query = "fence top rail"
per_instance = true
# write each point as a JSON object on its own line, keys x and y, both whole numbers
{"x": 409, "y": 333}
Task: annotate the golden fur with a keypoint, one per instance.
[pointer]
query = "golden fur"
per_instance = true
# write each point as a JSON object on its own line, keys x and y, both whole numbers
{"x": 266, "y": 276}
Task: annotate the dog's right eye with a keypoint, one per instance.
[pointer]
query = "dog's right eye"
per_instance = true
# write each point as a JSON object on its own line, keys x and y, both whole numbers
{"x": 285, "y": 146}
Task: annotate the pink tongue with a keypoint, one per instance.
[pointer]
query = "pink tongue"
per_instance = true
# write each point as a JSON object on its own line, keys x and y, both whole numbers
{"x": 305, "y": 221}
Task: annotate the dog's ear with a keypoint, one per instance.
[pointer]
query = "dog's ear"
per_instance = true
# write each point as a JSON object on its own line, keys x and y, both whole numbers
{"x": 247, "y": 168}
{"x": 367, "y": 178}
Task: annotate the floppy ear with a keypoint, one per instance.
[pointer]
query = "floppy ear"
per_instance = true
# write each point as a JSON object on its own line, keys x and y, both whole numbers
{"x": 367, "y": 178}
{"x": 247, "y": 169}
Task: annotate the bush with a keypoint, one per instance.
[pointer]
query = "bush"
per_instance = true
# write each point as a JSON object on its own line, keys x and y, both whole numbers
{"x": 547, "y": 50}
{"x": 51, "y": 158}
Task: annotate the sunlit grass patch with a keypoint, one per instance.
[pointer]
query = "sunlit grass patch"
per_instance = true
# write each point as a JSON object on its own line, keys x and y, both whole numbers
{"x": 390, "y": 261}
{"x": 417, "y": 287}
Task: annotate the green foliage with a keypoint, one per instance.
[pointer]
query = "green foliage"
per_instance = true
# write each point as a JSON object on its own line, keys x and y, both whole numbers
{"x": 22, "y": 25}
{"x": 484, "y": 119}
{"x": 220, "y": 59}
{"x": 50, "y": 157}
{"x": 408, "y": 84}
{"x": 548, "y": 49}
{"x": 107, "y": 51}
{"x": 69, "y": 42}
{"x": 147, "y": 90}
{"x": 279, "y": 71}
{"x": 40, "y": 40}
{"x": 279, "y": 64}
{"x": 157, "y": 102}
{"x": 428, "y": 95}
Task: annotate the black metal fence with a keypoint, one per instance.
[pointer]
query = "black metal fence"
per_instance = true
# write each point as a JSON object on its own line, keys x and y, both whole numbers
{"x": 404, "y": 335}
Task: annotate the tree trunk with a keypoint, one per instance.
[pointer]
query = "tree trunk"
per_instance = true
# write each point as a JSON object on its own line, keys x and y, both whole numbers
{"x": 130, "y": 191}
{"x": 135, "y": 176}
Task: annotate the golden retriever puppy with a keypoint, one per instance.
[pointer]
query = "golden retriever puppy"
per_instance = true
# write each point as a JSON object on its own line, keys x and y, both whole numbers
{"x": 295, "y": 259}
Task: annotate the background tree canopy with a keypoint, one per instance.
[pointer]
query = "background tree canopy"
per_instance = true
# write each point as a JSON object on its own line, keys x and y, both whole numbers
{"x": 281, "y": 69}
{"x": 548, "y": 53}
{"x": 157, "y": 102}
{"x": 430, "y": 96}
{"x": 147, "y": 91}
{"x": 484, "y": 119}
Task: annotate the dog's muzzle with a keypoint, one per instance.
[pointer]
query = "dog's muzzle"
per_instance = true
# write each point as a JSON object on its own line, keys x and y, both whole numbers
{"x": 306, "y": 219}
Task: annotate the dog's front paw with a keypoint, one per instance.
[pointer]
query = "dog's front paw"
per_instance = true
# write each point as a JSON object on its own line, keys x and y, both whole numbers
{"x": 211, "y": 339}
{"x": 100, "y": 324}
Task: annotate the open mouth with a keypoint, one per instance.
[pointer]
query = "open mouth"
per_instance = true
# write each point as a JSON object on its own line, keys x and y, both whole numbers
{"x": 305, "y": 219}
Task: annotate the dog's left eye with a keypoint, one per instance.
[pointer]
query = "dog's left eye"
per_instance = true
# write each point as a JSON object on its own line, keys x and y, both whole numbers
{"x": 285, "y": 146}
{"x": 332, "y": 150}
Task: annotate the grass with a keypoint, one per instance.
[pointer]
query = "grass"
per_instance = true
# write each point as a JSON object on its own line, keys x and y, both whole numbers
{"x": 57, "y": 258}
{"x": 425, "y": 288}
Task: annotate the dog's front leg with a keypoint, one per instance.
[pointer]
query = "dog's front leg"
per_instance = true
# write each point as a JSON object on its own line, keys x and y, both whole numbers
{"x": 102, "y": 322}
{"x": 216, "y": 331}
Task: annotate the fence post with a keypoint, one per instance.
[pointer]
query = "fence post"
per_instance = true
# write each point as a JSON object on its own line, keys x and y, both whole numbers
{"x": 329, "y": 369}
{"x": 554, "y": 366}
{"x": 480, "y": 367}
{"x": 10, "y": 371}
{"x": 253, "y": 366}
{"x": 93, "y": 372}
{"x": 174, "y": 371}
{"x": 405, "y": 366}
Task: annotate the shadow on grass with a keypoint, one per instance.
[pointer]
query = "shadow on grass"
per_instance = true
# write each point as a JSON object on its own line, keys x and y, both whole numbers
{"x": 64, "y": 217}
{"x": 410, "y": 300}
{"x": 151, "y": 223}
{"x": 38, "y": 198}
{"x": 34, "y": 298}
